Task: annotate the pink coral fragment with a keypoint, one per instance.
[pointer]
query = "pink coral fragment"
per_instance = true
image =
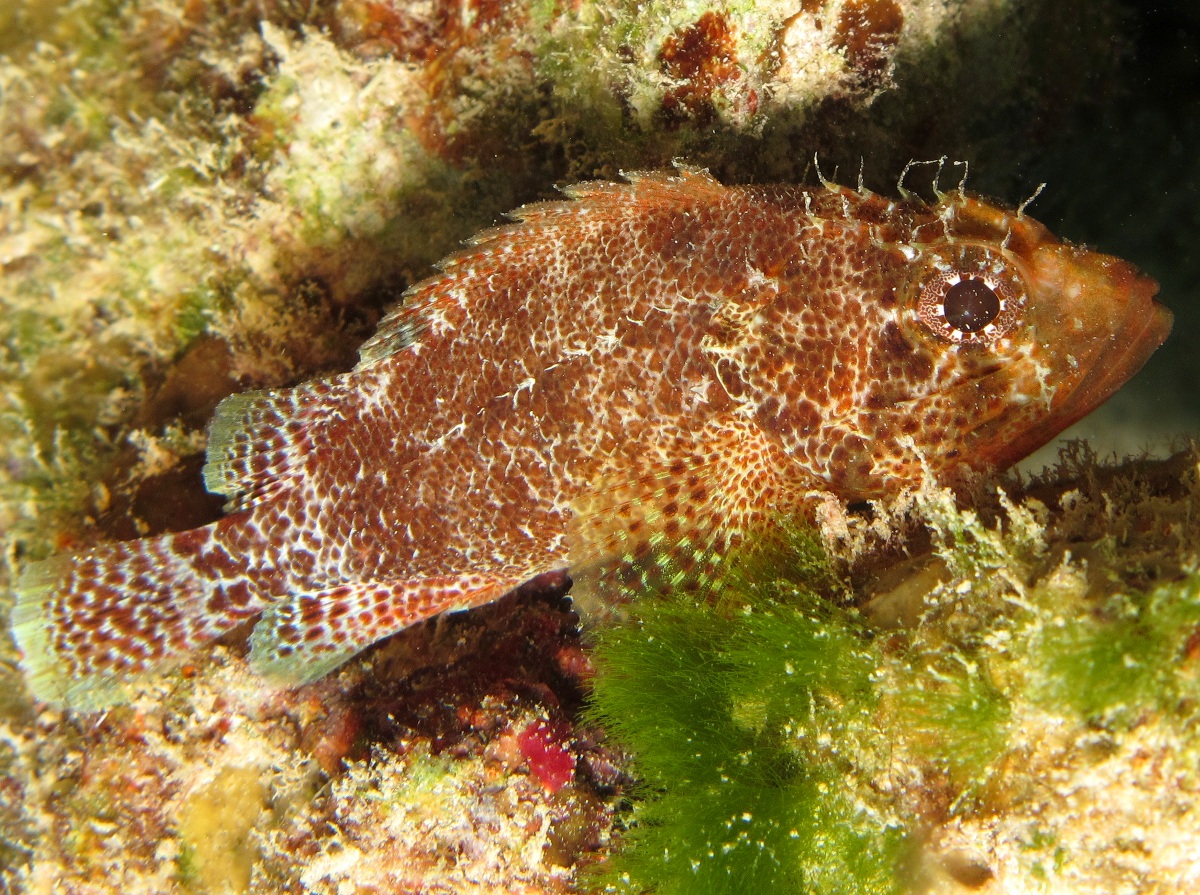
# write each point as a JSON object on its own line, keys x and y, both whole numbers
{"x": 549, "y": 759}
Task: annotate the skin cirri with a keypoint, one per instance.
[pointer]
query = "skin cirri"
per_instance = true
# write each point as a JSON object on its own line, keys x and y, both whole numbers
{"x": 652, "y": 366}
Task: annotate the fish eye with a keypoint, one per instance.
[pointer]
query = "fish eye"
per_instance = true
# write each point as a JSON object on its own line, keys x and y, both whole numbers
{"x": 969, "y": 295}
{"x": 971, "y": 304}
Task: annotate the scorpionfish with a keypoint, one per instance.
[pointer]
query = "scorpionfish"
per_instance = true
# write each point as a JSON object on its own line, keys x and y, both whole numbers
{"x": 654, "y": 366}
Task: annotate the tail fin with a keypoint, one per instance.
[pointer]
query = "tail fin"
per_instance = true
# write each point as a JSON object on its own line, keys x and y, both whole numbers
{"x": 92, "y": 624}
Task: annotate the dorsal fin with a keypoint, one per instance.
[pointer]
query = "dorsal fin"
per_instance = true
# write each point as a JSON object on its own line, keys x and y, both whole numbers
{"x": 440, "y": 301}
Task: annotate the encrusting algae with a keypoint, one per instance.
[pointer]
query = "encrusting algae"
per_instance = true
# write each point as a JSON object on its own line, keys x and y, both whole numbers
{"x": 199, "y": 199}
{"x": 626, "y": 384}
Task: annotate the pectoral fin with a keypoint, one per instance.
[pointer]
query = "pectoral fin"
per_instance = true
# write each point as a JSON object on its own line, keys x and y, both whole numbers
{"x": 674, "y": 523}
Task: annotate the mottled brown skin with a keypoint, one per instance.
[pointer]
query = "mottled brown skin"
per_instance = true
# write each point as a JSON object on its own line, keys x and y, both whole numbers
{"x": 652, "y": 368}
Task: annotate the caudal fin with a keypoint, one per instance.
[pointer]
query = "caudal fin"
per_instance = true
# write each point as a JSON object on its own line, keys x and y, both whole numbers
{"x": 92, "y": 624}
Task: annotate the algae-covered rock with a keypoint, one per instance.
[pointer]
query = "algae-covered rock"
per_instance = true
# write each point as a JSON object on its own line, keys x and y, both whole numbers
{"x": 425, "y": 770}
{"x": 197, "y": 198}
{"x": 1028, "y": 723}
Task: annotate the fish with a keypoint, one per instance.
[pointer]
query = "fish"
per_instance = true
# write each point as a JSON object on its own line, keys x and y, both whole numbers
{"x": 653, "y": 367}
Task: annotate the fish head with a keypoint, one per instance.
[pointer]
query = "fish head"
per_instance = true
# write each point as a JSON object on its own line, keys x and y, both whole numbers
{"x": 962, "y": 340}
{"x": 1026, "y": 334}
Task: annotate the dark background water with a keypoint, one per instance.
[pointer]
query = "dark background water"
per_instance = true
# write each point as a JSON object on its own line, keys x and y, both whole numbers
{"x": 1128, "y": 181}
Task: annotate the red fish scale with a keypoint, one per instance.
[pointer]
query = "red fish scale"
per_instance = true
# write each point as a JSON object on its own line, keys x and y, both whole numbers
{"x": 625, "y": 384}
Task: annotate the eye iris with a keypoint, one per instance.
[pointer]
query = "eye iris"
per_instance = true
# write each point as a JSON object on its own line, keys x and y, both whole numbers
{"x": 971, "y": 305}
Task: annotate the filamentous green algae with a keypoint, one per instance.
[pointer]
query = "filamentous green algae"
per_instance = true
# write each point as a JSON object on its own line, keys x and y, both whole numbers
{"x": 1018, "y": 722}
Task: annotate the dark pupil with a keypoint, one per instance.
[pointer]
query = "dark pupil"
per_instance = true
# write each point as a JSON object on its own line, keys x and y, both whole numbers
{"x": 971, "y": 305}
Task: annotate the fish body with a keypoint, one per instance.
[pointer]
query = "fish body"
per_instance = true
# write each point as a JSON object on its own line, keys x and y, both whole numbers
{"x": 659, "y": 365}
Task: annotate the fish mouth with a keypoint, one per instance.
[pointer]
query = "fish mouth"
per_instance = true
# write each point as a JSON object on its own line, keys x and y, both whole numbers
{"x": 1143, "y": 327}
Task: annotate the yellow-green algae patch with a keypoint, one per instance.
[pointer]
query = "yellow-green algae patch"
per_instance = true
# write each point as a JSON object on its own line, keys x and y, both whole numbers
{"x": 216, "y": 849}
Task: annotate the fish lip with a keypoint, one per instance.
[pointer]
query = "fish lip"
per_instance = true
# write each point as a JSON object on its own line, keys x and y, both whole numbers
{"x": 1126, "y": 352}
{"x": 1124, "y": 355}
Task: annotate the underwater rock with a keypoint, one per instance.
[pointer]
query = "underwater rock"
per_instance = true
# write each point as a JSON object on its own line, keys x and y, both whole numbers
{"x": 178, "y": 171}
{"x": 406, "y": 772}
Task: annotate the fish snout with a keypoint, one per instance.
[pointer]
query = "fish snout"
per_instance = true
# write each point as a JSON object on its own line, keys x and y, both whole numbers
{"x": 1139, "y": 291}
{"x": 1142, "y": 300}
{"x": 1104, "y": 320}
{"x": 1117, "y": 302}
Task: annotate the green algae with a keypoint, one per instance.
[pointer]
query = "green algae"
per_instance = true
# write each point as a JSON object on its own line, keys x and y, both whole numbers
{"x": 785, "y": 742}
{"x": 744, "y": 718}
{"x": 1136, "y": 653}
{"x": 955, "y": 714}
